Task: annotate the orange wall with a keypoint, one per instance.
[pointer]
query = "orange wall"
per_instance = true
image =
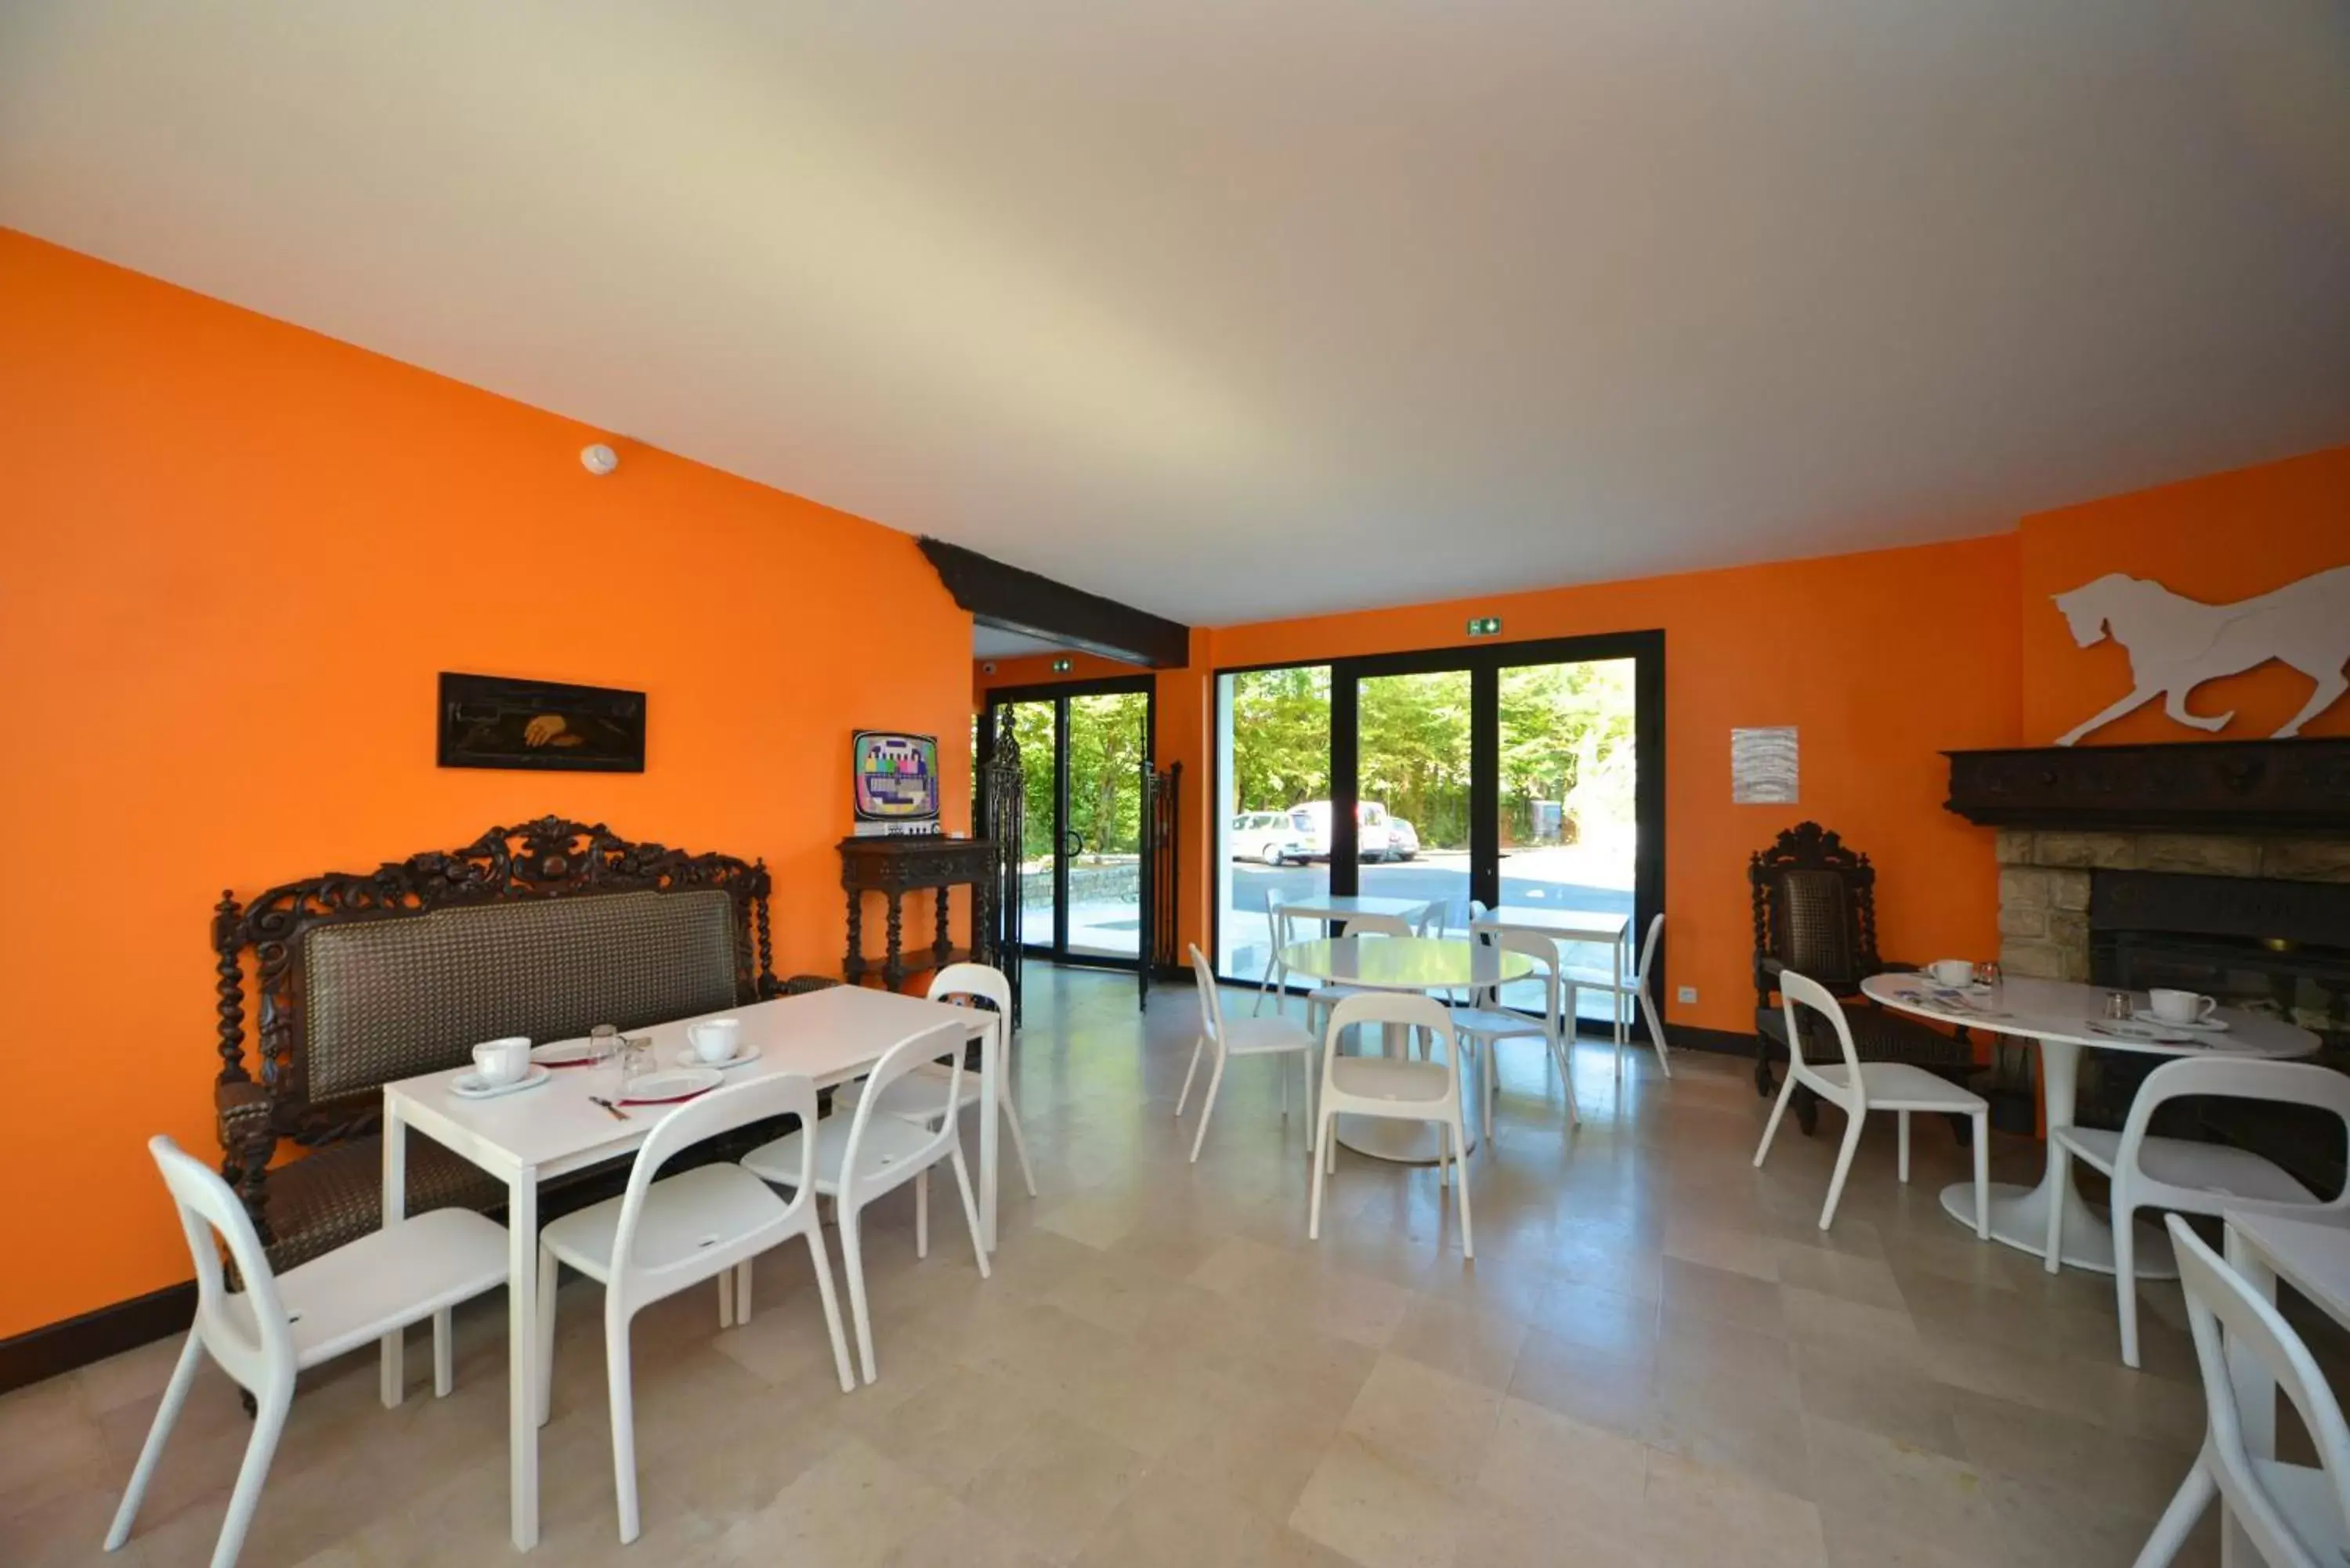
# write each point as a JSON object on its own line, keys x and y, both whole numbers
{"x": 2221, "y": 538}
{"x": 237, "y": 556}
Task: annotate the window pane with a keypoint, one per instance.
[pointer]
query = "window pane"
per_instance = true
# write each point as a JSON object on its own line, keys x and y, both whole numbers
{"x": 1273, "y": 730}
{"x": 1412, "y": 819}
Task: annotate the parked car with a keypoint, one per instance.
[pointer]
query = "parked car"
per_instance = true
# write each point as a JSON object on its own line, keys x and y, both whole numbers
{"x": 1403, "y": 838}
{"x": 1266, "y": 835}
{"x": 1373, "y": 840}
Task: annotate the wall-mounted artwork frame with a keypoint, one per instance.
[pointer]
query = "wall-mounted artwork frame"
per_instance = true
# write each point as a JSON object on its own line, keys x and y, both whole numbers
{"x": 539, "y": 726}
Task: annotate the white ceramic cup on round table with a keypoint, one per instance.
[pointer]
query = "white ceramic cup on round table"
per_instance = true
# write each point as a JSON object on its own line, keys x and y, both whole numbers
{"x": 715, "y": 1041}
{"x": 1952, "y": 971}
{"x": 2180, "y": 1006}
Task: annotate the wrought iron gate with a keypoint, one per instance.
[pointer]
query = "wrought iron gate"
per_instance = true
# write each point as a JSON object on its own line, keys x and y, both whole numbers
{"x": 1156, "y": 949}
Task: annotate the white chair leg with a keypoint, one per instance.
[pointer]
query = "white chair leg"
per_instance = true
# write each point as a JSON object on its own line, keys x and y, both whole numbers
{"x": 831, "y": 1304}
{"x": 743, "y": 1292}
{"x": 726, "y": 1300}
{"x": 167, "y": 1414}
{"x": 1461, "y": 1183}
{"x": 2178, "y": 1520}
{"x": 1615, "y": 1002}
{"x": 1019, "y": 1143}
{"x": 268, "y": 1425}
{"x": 617, "y": 1374}
{"x": 1197, "y": 1046}
{"x": 1314, "y": 1206}
{"x": 1778, "y": 1111}
{"x": 969, "y": 1206}
{"x": 549, "y": 1272}
{"x": 852, "y": 1263}
{"x": 1902, "y": 1142}
{"x": 1313, "y": 1124}
{"x": 1655, "y": 1031}
{"x": 1208, "y": 1106}
{"x": 922, "y": 1215}
{"x": 1982, "y": 1176}
{"x": 444, "y": 1353}
{"x": 2060, "y": 1182}
{"x": 1854, "y": 1121}
{"x": 2126, "y": 1276}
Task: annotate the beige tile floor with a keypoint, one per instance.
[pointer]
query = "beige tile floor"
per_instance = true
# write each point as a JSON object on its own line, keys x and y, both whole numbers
{"x": 1656, "y": 1359}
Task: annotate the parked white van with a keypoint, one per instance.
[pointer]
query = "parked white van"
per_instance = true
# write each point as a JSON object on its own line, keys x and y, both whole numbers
{"x": 1266, "y": 835}
{"x": 1372, "y": 839}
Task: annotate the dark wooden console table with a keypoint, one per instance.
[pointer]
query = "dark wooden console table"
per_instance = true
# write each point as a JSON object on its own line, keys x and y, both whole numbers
{"x": 895, "y": 867}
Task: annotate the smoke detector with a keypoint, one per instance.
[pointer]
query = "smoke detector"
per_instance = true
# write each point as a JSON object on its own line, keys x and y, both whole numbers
{"x": 598, "y": 460}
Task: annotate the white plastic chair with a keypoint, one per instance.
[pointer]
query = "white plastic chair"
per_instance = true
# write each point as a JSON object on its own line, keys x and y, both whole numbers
{"x": 1627, "y": 991}
{"x": 658, "y": 1238}
{"x": 1281, "y": 928}
{"x": 1486, "y": 1023}
{"x": 1224, "y": 1039}
{"x": 1857, "y": 1087}
{"x": 2295, "y": 1516}
{"x": 1323, "y": 998}
{"x": 860, "y": 1156}
{"x": 2185, "y": 1176}
{"x": 1395, "y": 1088}
{"x": 914, "y": 1100}
{"x": 265, "y": 1335}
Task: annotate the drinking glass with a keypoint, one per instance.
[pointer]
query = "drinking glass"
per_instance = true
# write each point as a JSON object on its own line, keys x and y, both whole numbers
{"x": 635, "y": 1059}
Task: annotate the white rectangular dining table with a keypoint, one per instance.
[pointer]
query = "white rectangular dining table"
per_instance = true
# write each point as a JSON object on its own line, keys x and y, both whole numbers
{"x": 2310, "y": 1255}
{"x": 1338, "y": 908}
{"x": 527, "y": 1137}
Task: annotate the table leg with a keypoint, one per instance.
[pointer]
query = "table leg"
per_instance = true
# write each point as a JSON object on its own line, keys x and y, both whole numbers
{"x": 522, "y": 1353}
{"x": 391, "y": 1371}
{"x": 990, "y": 1114}
{"x": 2019, "y": 1215}
{"x": 2255, "y": 1397}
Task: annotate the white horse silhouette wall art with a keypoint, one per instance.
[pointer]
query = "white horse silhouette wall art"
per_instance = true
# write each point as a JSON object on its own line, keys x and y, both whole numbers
{"x": 2175, "y": 643}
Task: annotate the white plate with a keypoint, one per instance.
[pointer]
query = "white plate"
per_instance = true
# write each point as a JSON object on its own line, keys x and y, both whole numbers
{"x": 2207, "y": 1026}
{"x": 671, "y": 1085}
{"x": 579, "y": 1053}
{"x": 686, "y": 1059}
{"x": 468, "y": 1086}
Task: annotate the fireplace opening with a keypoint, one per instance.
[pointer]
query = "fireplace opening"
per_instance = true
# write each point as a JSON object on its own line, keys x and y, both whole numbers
{"x": 2277, "y": 947}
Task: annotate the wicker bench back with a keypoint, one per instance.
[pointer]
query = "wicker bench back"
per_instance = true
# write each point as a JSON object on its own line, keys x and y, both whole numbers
{"x": 387, "y": 999}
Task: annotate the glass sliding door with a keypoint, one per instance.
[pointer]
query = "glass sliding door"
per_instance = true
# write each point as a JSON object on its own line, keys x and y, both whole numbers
{"x": 1272, "y": 729}
{"x": 1412, "y": 788}
{"x": 1083, "y": 752}
{"x": 1566, "y": 800}
{"x": 1527, "y": 773}
{"x": 1109, "y": 736}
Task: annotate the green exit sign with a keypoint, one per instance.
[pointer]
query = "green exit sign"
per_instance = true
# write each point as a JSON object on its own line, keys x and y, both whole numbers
{"x": 1060, "y": 667}
{"x": 1485, "y": 626}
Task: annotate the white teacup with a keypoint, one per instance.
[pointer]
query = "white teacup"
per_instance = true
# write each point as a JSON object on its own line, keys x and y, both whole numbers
{"x": 715, "y": 1040}
{"x": 2180, "y": 1006}
{"x": 503, "y": 1061}
{"x": 1952, "y": 971}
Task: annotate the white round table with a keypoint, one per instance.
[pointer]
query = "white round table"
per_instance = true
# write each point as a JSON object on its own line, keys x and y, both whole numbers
{"x": 2063, "y": 1017}
{"x": 1410, "y": 964}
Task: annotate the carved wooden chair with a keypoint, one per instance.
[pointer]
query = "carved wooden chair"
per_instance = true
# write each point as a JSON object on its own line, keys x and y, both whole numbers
{"x": 545, "y": 930}
{"x": 1815, "y": 913}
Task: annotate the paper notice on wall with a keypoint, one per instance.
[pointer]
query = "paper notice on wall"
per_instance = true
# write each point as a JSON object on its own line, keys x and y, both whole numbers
{"x": 1763, "y": 767}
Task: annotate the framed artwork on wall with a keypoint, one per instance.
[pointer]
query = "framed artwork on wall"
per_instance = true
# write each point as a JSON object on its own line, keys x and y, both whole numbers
{"x": 544, "y": 726}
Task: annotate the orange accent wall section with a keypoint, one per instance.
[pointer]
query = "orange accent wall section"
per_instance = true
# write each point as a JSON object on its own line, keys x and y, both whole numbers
{"x": 238, "y": 554}
{"x": 2221, "y": 538}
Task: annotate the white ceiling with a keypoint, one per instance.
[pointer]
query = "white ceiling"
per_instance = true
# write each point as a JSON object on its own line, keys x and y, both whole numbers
{"x": 1235, "y": 310}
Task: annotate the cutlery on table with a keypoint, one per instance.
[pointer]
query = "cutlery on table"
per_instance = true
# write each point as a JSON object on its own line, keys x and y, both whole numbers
{"x": 618, "y": 1113}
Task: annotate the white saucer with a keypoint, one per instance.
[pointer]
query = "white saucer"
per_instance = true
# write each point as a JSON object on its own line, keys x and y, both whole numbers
{"x": 688, "y": 1059}
{"x": 468, "y": 1086}
{"x": 675, "y": 1084}
{"x": 2207, "y": 1026}
{"x": 2152, "y": 1033}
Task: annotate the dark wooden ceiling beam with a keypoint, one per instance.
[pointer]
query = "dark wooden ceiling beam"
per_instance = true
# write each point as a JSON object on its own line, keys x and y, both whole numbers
{"x": 1016, "y": 600}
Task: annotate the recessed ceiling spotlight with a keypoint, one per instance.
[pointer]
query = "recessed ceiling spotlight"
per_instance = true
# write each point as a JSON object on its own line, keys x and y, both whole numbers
{"x": 598, "y": 460}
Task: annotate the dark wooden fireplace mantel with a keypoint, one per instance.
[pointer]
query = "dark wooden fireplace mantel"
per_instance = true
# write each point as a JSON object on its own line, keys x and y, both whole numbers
{"x": 2300, "y": 785}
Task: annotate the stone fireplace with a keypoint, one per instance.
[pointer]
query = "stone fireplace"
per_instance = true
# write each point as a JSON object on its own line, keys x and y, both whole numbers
{"x": 2221, "y": 867}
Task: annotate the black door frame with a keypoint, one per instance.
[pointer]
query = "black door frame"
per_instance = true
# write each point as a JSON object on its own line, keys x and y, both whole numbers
{"x": 1059, "y": 693}
{"x": 1484, "y": 662}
